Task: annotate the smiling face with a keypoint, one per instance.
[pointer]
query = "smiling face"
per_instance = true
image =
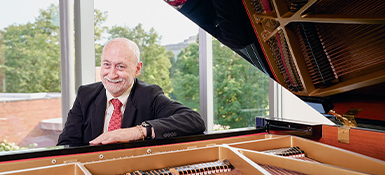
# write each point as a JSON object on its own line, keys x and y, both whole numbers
{"x": 119, "y": 66}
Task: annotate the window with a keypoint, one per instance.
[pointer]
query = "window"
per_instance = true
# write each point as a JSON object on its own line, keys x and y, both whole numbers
{"x": 29, "y": 74}
{"x": 240, "y": 89}
{"x": 167, "y": 40}
{"x": 30, "y": 66}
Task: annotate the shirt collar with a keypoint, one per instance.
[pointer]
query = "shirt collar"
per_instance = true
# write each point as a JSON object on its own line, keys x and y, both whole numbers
{"x": 123, "y": 98}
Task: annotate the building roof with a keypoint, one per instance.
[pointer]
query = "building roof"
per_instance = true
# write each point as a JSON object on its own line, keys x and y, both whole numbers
{"x": 5, "y": 97}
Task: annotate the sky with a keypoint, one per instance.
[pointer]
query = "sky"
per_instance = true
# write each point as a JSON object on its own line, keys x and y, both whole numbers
{"x": 168, "y": 22}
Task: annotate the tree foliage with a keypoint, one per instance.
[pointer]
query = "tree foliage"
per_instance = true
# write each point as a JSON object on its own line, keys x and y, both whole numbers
{"x": 99, "y": 18}
{"x": 32, "y": 54}
{"x": 2, "y": 62}
{"x": 30, "y": 61}
{"x": 186, "y": 77}
{"x": 240, "y": 90}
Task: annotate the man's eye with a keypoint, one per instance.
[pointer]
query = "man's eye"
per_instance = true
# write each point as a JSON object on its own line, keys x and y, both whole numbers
{"x": 106, "y": 64}
{"x": 121, "y": 67}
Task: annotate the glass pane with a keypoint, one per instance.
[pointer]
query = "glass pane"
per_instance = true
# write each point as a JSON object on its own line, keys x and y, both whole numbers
{"x": 29, "y": 74}
{"x": 165, "y": 38}
{"x": 241, "y": 91}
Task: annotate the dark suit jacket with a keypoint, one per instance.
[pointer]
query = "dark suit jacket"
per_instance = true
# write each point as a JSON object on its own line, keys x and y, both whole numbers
{"x": 85, "y": 120}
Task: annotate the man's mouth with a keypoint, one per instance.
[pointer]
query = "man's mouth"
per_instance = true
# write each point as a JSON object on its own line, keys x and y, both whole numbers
{"x": 113, "y": 81}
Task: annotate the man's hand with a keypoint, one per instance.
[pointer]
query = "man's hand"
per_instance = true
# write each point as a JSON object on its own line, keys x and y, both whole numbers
{"x": 119, "y": 135}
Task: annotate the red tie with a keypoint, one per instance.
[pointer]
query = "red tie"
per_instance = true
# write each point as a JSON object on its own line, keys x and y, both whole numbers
{"x": 116, "y": 118}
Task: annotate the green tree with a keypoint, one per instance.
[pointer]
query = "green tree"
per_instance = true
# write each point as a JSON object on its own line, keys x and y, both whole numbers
{"x": 2, "y": 62}
{"x": 155, "y": 58}
{"x": 240, "y": 89}
{"x": 32, "y": 54}
{"x": 186, "y": 77}
{"x": 99, "y": 19}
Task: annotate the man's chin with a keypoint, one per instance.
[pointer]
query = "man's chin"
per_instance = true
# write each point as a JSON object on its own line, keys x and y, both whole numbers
{"x": 112, "y": 89}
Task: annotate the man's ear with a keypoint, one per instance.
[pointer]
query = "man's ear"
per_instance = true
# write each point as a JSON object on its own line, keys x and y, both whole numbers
{"x": 138, "y": 68}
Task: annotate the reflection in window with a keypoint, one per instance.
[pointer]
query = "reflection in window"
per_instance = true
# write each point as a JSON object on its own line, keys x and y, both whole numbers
{"x": 185, "y": 77}
{"x": 29, "y": 74}
{"x": 241, "y": 91}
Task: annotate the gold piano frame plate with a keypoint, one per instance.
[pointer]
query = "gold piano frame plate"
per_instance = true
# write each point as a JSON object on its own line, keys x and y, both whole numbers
{"x": 244, "y": 153}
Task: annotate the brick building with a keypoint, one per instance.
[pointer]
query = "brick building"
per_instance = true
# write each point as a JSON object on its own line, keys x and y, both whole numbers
{"x": 30, "y": 118}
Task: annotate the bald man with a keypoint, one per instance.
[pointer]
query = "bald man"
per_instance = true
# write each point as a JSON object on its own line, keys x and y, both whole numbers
{"x": 123, "y": 108}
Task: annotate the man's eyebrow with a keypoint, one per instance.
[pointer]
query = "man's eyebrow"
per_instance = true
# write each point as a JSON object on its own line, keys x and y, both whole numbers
{"x": 119, "y": 63}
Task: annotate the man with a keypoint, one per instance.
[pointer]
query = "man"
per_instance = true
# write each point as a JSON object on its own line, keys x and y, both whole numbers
{"x": 122, "y": 108}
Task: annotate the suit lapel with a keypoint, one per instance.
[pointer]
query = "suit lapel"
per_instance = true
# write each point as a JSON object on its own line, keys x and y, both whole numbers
{"x": 129, "y": 114}
{"x": 97, "y": 114}
{"x": 130, "y": 111}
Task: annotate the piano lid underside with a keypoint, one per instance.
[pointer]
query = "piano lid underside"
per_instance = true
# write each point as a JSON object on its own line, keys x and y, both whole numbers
{"x": 321, "y": 47}
{"x": 313, "y": 48}
{"x": 326, "y": 49}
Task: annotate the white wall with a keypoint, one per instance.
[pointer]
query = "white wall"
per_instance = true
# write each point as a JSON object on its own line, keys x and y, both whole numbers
{"x": 287, "y": 106}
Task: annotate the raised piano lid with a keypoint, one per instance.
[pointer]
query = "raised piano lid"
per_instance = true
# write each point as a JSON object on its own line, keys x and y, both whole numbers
{"x": 329, "y": 53}
{"x": 254, "y": 34}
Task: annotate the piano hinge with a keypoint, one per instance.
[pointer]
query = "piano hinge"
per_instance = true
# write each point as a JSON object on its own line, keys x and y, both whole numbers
{"x": 343, "y": 135}
{"x": 351, "y": 114}
{"x": 347, "y": 119}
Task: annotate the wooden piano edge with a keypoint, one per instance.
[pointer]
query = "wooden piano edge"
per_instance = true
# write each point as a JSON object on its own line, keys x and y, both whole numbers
{"x": 218, "y": 138}
{"x": 131, "y": 145}
{"x": 363, "y": 141}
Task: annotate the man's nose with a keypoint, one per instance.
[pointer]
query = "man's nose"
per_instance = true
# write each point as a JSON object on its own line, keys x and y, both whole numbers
{"x": 113, "y": 72}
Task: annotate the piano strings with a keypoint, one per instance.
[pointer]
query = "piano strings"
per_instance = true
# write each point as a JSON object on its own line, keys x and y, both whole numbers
{"x": 292, "y": 152}
{"x": 332, "y": 51}
{"x": 352, "y": 7}
{"x": 282, "y": 56}
{"x": 262, "y": 6}
{"x": 276, "y": 170}
{"x": 224, "y": 167}
{"x": 353, "y": 48}
{"x": 319, "y": 66}
{"x": 220, "y": 167}
{"x": 266, "y": 6}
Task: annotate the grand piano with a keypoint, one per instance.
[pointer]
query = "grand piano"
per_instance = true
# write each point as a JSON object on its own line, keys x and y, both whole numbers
{"x": 326, "y": 52}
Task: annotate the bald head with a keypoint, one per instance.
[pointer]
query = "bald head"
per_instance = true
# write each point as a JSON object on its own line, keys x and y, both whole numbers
{"x": 125, "y": 45}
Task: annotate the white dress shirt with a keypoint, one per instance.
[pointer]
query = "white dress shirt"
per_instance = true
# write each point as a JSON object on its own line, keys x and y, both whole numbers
{"x": 110, "y": 108}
